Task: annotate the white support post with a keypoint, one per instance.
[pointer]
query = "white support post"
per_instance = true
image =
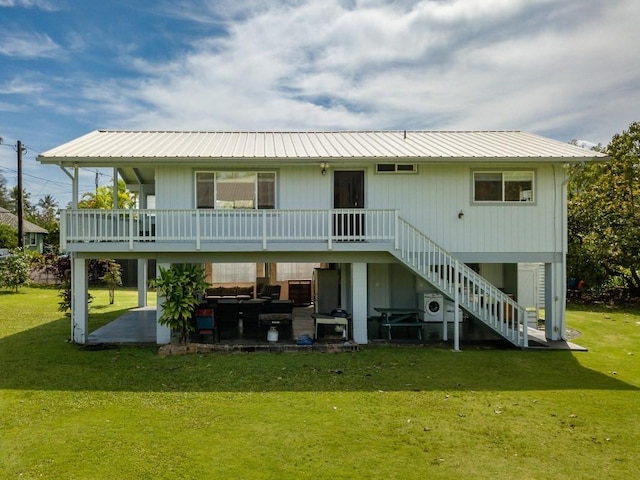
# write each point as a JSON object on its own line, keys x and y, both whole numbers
{"x": 163, "y": 333}
{"x": 359, "y": 299}
{"x": 142, "y": 281}
{"x": 456, "y": 306}
{"x": 555, "y": 291}
{"x": 74, "y": 188}
{"x": 79, "y": 304}
{"x": 115, "y": 188}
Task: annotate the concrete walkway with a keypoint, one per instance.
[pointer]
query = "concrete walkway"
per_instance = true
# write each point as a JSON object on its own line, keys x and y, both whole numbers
{"x": 537, "y": 340}
{"x": 136, "y": 326}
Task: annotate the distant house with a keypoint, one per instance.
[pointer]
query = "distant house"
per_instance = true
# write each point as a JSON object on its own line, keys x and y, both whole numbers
{"x": 434, "y": 221}
{"x": 33, "y": 234}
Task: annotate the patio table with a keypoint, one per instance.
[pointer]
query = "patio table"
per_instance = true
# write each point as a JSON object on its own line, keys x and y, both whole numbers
{"x": 400, "y": 317}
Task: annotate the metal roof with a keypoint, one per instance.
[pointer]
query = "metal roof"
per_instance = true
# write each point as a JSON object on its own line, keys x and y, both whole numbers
{"x": 100, "y": 146}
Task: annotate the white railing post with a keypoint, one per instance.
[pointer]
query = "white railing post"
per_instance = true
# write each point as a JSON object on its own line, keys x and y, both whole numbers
{"x": 130, "y": 230}
{"x": 396, "y": 228}
{"x": 330, "y": 230}
{"x": 264, "y": 229}
{"x": 197, "y": 229}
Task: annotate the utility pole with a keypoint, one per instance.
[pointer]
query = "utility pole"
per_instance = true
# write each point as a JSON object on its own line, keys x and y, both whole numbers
{"x": 19, "y": 199}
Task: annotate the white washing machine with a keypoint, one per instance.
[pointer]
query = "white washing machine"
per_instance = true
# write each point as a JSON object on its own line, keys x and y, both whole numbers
{"x": 434, "y": 307}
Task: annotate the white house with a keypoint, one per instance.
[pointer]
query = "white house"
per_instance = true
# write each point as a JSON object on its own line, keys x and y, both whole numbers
{"x": 401, "y": 214}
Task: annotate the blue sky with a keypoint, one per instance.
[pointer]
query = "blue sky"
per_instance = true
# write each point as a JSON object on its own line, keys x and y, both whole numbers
{"x": 564, "y": 69}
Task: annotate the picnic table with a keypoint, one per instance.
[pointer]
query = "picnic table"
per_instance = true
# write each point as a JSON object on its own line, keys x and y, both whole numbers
{"x": 400, "y": 317}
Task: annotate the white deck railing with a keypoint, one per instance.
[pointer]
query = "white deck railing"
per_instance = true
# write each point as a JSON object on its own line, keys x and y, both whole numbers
{"x": 216, "y": 225}
{"x": 457, "y": 281}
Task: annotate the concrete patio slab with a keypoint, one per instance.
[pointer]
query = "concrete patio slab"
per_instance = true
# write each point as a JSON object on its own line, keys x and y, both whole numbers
{"x": 137, "y": 326}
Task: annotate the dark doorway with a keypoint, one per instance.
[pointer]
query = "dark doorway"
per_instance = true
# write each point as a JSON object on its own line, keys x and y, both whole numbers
{"x": 348, "y": 193}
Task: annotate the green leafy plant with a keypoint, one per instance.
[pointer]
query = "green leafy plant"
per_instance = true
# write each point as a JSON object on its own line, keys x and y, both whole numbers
{"x": 65, "y": 296}
{"x": 15, "y": 270}
{"x": 181, "y": 286}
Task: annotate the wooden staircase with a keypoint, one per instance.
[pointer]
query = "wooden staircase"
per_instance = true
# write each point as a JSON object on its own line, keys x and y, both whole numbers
{"x": 459, "y": 283}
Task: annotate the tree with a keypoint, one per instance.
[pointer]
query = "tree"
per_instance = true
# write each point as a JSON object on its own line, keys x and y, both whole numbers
{"x": 48, "y": 209}
{"x": 604, "y": 215}
{"x": 8, "y": 237}
{"x": 5, "y": 200}
{"x": 103, "y": 197}
{"x": 27, "y": 207}
{"x": 113, "y": 279}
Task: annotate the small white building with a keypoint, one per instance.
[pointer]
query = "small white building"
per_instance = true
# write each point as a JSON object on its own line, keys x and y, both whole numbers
{"x": 400, "y": 214}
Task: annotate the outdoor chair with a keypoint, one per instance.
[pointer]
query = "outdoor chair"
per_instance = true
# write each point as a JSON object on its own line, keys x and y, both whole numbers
{"x": 205, "y": 324}
{"x": 227, "y": 314}
{"x": 270, "y": 292}
{"x": 251, "y": 310}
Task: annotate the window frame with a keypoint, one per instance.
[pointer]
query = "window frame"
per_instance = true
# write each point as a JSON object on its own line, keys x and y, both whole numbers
{"x": 398, "y": 168}
{"x": 503, "y": 192}
{"x": 256, "y": 193}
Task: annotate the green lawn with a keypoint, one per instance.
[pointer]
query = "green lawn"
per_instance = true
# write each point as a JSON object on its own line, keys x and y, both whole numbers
{"x": 384, "y": 412}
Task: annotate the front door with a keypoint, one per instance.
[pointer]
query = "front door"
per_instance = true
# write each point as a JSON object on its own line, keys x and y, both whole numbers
{"x": 348, "y": 193}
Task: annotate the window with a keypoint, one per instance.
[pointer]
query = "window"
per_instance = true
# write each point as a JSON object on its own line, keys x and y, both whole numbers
{"x": 396, "y": 168}
{"x": 296, "y": 271}
{"x": 233, "y": 272}
{"x": 229, "y": 190}
{"x": 510, "y": 186}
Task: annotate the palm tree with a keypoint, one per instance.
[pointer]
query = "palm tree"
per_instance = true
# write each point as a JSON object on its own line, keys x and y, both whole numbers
{"x": 48, "y": 208}
{"x": 103, "y": 197}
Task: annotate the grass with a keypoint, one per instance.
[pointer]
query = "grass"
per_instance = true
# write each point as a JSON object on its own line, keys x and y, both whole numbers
{"x": 384, "y": 412}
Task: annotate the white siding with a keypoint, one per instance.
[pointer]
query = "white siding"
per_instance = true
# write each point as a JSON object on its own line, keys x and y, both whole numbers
{"x": 174, "y": 188}
{"x": 431, "y": 200}
{"x": 304, "y": 187}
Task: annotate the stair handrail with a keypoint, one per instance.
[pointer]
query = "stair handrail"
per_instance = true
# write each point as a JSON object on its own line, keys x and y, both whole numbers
{"x": 476, "y": 295}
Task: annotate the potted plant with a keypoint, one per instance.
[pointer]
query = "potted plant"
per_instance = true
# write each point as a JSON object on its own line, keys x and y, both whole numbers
{"x": 181, "y": 286}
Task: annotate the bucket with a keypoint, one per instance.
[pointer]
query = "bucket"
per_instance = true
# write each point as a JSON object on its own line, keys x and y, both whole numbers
{"x": 272, "y": 335}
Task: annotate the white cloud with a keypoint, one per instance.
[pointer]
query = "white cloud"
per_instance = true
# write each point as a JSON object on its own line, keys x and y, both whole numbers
{"x": 28, "y": 45}
{"x": 18, "y": 86}
{"x": 41, "y": 4}
{"x": 535, "y": 65}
